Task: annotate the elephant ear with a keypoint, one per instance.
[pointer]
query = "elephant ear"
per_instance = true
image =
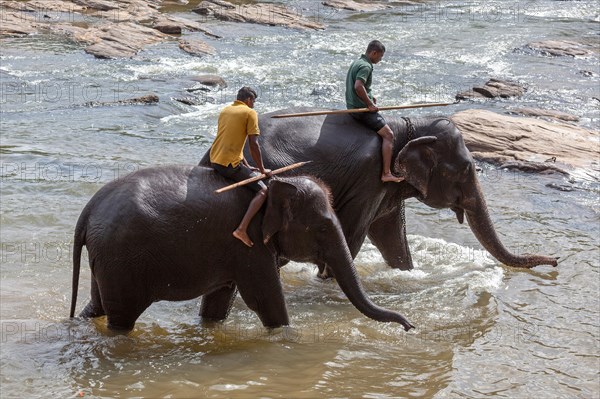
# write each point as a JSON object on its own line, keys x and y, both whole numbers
{"x": 279, "y": 212}
{"x": 416, "y": 162}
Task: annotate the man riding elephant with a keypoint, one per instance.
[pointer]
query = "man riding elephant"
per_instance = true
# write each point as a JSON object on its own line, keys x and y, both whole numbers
{"x": 238, "y": 122}
{"x": 358, "y": 95}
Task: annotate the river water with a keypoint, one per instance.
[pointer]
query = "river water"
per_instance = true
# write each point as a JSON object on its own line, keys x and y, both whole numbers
{"x": 483, "y": 329}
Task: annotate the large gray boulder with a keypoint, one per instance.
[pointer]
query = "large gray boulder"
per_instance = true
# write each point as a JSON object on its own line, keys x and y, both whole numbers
{"x": 259, "y": 13}
{"x": 502, "y": 139}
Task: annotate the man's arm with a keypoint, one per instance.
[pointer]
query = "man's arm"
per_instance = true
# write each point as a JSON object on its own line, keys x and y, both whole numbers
{"x": 256, "y": 154}
{"x": 361, "y": 92}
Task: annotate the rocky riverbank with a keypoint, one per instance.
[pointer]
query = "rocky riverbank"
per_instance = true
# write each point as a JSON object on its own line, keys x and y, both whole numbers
{"x": 545, "y": 140}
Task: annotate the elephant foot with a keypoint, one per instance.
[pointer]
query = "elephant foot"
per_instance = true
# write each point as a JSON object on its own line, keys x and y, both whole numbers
{"x": 325, "y": 274}
{"x": 209, "y": 322}
{"x": 119, "y": 330}
{"x": 404, "y": 266}
{"x": 92, "y": 310}
{"x": 120, "y": 325}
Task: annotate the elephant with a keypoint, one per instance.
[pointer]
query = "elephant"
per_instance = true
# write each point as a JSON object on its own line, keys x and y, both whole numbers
{"x": 162, "y": 233}
{"x": 429, "y": 153}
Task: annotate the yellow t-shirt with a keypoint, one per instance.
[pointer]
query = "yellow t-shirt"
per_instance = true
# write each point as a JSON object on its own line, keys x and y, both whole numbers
{"x": 236, "y": 122}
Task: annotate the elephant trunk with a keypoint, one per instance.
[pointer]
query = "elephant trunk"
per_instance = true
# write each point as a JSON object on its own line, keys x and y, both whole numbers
{"x": 483, "y": 228}
{"x": 340, "y": 261}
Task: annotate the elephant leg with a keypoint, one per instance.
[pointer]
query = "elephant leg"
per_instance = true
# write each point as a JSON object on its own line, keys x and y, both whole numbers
{"x": 124, "y": 302}
{"x": 388, "y": 234}
{"x": 94, "y": 307}
{"x": 123, "y": 313}
{"x": 325, "y": 271}
{"x": 217, "y": 304}
{"x": 262, "y": 293}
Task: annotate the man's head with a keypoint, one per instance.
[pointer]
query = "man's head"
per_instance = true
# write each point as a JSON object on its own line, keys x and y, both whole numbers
{"x": 375, "y": 51}
{"x": 247, "y": 96}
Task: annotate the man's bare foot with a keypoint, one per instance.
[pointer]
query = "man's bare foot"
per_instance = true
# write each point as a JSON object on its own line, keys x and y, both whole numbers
{"x": 391, "y": 178}
{"x": 243, "y": 237}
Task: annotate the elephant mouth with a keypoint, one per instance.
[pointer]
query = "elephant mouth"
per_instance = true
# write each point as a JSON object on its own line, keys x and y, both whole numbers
{"x": 460, "y": 214}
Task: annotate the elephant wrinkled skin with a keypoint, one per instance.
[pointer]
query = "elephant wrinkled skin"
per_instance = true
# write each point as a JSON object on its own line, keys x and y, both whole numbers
{"x": 437, "y": 166}
{"x": 163, "y": 234}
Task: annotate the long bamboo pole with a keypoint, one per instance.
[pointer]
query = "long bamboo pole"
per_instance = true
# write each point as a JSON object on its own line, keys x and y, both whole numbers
{"x": 261, "y": 176}
{"x": 355, "y": 110}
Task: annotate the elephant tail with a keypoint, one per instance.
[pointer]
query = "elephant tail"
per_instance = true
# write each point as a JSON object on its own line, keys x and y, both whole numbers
{"x": 78, "y": 243}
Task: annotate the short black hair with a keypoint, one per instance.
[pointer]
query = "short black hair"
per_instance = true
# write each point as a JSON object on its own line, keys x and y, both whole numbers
{"x": 375, "y": 45}
{"x": 245, "y": 93}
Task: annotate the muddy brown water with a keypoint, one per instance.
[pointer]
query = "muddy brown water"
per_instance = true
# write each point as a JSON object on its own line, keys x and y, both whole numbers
{"x": 483, "y": 329}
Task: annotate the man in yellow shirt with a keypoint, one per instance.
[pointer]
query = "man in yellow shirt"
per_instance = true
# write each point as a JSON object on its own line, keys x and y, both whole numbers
{"x": 237, "y": 122}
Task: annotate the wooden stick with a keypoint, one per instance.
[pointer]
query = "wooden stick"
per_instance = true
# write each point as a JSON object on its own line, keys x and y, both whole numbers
{"x": 261, "y": 176}
{"x": 355, "y": 110}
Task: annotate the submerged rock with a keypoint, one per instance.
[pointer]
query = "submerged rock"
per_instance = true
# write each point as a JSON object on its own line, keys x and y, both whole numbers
{"x": 492, "y": 89}
{"x": 530, "y": 166}
{"x": 527, "y": 142}
{"x": 143, "y": 100}
{"x": 169, "y": 27}
{"x": 190, "y": 100}
{"x": 561, "y": 187}
{"x": 560, "y": 48}
{"x": 211, "y": 81}
{"x": 196, "y": 47}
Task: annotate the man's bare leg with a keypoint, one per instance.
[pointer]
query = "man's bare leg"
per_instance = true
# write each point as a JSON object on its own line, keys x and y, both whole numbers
{"x": 387, "y": 148}
{"x": 255, "y": 205}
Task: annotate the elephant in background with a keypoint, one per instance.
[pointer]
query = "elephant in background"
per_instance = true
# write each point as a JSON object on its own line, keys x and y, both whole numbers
{"x": 162, "y": 233}
{"x": 428, "y": 152}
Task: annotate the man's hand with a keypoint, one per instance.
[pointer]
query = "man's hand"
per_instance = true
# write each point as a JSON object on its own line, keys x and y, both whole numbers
{"x": 267, "y": 172}
{"x": 372, "y": 107}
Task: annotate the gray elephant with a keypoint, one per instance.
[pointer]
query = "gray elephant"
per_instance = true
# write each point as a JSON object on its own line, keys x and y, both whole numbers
{"x": 428, "y": 152}
{"x": 163, "y": 234}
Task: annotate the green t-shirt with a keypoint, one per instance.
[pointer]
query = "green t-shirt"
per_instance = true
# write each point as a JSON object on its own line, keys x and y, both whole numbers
{"x": 361, "y": 69}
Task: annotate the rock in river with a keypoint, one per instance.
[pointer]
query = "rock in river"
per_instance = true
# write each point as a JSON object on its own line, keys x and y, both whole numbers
{"x": 492, "y": 89}
{"x": 500, "y": 139}
{"x": 259, "y": 13}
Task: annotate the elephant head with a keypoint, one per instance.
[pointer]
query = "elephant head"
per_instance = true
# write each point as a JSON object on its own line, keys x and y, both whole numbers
{"x": 301, "y": 225}
{"x": 442, "y": 171}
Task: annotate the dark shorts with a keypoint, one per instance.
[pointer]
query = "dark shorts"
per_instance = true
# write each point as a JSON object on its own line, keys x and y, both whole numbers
{"x": 239, "y": 173}
{"x": 372, "y": 120}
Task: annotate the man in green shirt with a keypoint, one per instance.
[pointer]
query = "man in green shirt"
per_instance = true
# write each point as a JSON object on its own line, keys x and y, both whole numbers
{"x": 358, "y": 95}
